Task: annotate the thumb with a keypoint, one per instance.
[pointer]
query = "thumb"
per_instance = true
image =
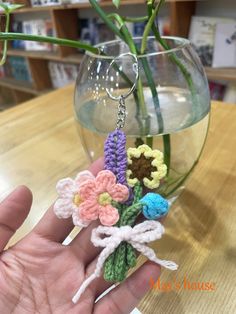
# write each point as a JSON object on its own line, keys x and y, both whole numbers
{"x": 97, "y": 166}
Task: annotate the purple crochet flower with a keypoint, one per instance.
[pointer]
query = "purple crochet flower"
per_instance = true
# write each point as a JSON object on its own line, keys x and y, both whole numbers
{"x": 115, "y": 156}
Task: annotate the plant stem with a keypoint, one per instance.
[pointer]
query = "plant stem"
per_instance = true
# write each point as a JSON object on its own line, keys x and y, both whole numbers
{"x": 155, "y": 97}
{"x": 166, "y": 137}
{"x": 186, "y": 74}
{"x": 4, "y": 55}
{"x": 175, "y": 59}
{"x": 48, "y": 39}
{"x": 149, "y": 141}
{"x": 151, "y": 83}
{"x": 125, "y": 34}
{"x": 135, "y": 19}
{"x": 190, "y": 170}
{"x": 149, "y": 24}
{"x": 167, "y": 151}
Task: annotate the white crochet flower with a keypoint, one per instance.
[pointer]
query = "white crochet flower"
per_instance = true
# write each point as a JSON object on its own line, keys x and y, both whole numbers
{"x": 69, "y": 198}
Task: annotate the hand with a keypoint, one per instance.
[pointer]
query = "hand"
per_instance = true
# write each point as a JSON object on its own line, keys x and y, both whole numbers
{"x": 40, "y": 275}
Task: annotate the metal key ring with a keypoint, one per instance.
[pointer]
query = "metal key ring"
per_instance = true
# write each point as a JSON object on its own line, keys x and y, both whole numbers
{"x": 135, "y": 69}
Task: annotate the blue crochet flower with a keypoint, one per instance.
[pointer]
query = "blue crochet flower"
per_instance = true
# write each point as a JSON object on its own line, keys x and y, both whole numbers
{"x": 154, "y": 206}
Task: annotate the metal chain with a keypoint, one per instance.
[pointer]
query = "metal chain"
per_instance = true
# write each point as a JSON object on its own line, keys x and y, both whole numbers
{"x": 121, "y": 114}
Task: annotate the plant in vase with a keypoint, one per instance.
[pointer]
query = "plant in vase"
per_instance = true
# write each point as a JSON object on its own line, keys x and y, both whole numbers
{"x": 168, "y": 110}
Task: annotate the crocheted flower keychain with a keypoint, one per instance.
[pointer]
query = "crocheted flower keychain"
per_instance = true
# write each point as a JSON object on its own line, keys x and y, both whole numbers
{"x": 116, "y": 197}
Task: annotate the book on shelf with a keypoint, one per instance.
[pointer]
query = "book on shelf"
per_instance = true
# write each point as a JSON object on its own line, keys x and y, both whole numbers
{"x": 20, "y": 69}
{"x": 16, "y": 68}
{"x": 93, "y": 31}
{"x": 202, "y": 35}
{"x": 225, "y": 45}
{"x": 62, "y": 73}
{"x": 41, "y": 27}
{"x": 39, "y": 3}
{"x": 17, "y": 27}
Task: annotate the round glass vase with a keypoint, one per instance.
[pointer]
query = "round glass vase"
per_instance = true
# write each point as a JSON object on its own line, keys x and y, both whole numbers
{"x": 169, "y": 109}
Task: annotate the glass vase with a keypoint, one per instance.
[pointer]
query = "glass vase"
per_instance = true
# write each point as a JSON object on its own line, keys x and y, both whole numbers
{"x": 169, "y": 109}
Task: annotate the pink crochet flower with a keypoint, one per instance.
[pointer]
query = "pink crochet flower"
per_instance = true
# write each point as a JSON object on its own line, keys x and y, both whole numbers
{"x": 98, "y": 195}
{"x": 70, "y": 199}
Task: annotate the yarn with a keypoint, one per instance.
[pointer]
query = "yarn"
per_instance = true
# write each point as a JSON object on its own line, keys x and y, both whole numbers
{"x": 154, "y": 206}
{"x": 88, "y": 198}
{"x": 114, "y": 273}
{"x": 98, "y": 195}
{"x": 115, "y": 157}
{"x": 138, "y": 191}
{"x": 110, "y": 238}
{"x": 145, "y": 166}
{"x": 69, "y": 197}
{"x": 128, "y": 215}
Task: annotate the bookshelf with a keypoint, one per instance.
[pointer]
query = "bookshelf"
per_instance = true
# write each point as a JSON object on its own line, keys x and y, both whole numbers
{"x": 179, "y": 11}
{"x": 86, "y": 5}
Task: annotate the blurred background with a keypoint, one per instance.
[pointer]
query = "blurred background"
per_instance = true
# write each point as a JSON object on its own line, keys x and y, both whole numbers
{"x": 33, "y": 68}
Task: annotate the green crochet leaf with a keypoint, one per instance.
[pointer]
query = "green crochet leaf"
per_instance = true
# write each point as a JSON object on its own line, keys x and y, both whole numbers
{"x": 131, "y": 256}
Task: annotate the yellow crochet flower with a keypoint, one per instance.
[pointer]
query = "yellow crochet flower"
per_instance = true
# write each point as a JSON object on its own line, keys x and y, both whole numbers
{"x": 146, "y": 166}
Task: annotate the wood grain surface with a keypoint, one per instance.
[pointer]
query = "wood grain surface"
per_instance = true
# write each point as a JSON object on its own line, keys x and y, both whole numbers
{"x": 39, "y": 145}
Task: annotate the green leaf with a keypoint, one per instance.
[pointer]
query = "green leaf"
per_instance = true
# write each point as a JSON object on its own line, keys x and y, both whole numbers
{"x": 116, "y": 3}
{"x": 9, "y": 7}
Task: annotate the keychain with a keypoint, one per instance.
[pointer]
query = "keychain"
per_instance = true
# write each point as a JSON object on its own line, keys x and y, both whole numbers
{"x": 116, "y": 197}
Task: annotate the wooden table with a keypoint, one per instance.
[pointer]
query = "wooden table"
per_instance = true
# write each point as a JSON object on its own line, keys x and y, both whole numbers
{"x": 39, "y": 145}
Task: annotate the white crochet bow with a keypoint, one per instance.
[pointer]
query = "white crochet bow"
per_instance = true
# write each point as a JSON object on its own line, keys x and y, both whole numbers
{"x": 137, "y": 236}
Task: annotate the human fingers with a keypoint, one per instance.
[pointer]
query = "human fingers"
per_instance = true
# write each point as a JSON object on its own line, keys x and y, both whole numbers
{"x": 97, "y": 166}
{"x": 99, "y": 285}
{"x": 55, "y": 229}
{"x": 123, "y": 298}
{"x": 13, "y": 211}
{"x": 82, "y": 246}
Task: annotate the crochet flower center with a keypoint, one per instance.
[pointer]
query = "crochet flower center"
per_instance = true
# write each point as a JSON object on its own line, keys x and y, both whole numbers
{"x": 104, "y": 199}
{"x": 141, "y": 167}
{"x": 77, "y": 200}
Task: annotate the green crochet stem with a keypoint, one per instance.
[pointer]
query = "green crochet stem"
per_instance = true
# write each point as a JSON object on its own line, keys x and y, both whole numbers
{"x": 124, "y": 257}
